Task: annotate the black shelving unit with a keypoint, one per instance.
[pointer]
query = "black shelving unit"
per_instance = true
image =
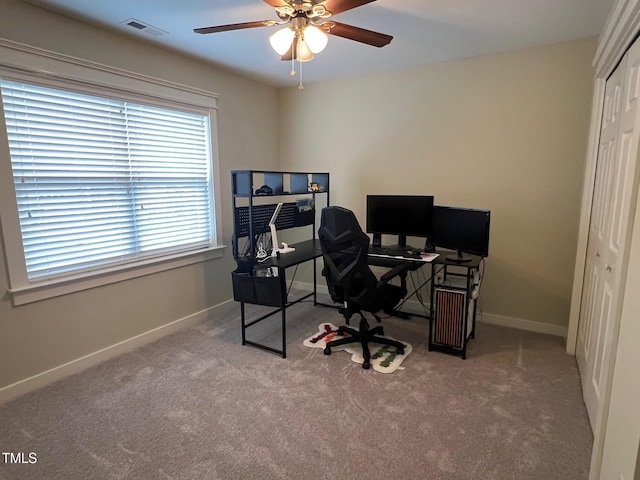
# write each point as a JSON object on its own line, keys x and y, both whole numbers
{"x": 266, "y": 284}
{"x": 252, "y": 211}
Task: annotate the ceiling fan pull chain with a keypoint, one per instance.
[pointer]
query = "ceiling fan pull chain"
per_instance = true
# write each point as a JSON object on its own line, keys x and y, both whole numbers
{"x": 293, "y": 66}
{"x": 300, "y": 87}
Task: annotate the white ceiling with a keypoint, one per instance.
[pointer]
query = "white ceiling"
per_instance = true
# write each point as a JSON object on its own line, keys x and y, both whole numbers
{"x": 424, "y": 31}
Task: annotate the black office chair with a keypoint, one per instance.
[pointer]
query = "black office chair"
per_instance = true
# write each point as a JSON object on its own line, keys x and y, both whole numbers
{"x": 352, "y": 283}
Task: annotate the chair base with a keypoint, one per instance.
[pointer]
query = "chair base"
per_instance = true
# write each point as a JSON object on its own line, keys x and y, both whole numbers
{"x": 364, "y": 336}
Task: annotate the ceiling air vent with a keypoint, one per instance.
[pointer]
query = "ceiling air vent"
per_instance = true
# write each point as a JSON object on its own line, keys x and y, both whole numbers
{"x": 143, "y": 27}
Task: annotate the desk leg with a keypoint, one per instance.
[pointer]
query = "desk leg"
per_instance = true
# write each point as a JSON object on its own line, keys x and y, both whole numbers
{"x": 473, "y": 320}
{"x": 315, "y": 286}
{"x": 283, "y": 302}
{"x": 244, "y": 339}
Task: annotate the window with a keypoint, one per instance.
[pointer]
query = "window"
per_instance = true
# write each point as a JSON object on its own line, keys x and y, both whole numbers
{"x": 101, "y": 181}
{"x": 105, "y": 181}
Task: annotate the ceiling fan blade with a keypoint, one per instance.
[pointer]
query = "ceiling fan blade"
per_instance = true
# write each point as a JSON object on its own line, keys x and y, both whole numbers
{"x": 275, "y": 3}
{"x": 288, "y": 55}
{"x": 339, "y": 6}
{"x": 361, "y": 35}
{"x": 232, "y": 26}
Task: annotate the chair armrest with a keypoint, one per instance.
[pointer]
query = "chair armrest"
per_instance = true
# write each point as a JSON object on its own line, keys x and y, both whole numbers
{"x": 395, "y": 271}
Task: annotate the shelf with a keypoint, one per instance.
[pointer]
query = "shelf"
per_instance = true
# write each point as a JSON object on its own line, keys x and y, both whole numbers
{"x": 251, "y": 217}
{"x": 244, "y": 183}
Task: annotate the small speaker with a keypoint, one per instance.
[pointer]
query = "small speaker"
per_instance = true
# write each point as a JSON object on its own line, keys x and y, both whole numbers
{"x": 448, "y": 326}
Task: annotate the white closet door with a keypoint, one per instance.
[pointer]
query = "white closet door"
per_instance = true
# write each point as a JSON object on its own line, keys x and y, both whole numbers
{"x": 605, "y": 268}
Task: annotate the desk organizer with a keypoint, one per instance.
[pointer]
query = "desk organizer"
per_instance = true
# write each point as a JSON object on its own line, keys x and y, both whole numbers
{"x": 249, "y": 288}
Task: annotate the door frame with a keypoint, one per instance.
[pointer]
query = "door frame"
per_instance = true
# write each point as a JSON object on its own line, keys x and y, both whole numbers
{"x": 621, "y": 29}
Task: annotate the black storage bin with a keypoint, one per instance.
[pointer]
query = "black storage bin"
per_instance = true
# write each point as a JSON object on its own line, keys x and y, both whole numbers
{"x": 305, "y": 217}
{"x": 249, "y": 288}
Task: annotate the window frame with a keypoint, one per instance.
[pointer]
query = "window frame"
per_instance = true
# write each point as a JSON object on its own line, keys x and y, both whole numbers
{"x": 33, "y": 65}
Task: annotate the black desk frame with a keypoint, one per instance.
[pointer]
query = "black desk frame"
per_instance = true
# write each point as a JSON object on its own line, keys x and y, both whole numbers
{"x": 441, "y": 265}
{"x": 304, "y": 252}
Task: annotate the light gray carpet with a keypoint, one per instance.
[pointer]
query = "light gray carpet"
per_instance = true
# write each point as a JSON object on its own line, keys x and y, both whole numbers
{"x": 198, "y": 405}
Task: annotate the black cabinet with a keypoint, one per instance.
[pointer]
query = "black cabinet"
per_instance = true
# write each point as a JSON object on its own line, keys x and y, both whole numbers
{"x": 454, "y": 291}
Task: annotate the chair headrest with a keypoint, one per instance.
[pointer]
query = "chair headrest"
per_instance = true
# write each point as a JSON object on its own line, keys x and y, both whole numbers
{"x": 339, "y": 223}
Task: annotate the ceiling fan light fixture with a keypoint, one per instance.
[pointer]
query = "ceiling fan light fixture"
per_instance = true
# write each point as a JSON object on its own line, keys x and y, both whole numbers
{"x": 315, "y": 38}
{"x": 303, "y": 52}
{"x": 281, "y": 40}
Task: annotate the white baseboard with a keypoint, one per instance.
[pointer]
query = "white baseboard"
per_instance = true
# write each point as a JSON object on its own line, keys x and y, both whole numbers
{"x": 491, "y": 318}
{"x": 15, "y": 390}
{"x": 523, "y": 324}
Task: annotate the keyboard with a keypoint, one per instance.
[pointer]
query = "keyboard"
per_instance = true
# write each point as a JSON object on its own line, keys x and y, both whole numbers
{"x": 394, "y": 252}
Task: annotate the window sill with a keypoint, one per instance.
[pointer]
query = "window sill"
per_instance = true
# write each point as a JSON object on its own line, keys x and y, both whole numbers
{"x": 55, "y": 288}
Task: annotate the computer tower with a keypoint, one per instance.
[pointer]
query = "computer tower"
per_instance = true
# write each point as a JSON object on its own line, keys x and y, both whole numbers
{"x": 452, "y": 323}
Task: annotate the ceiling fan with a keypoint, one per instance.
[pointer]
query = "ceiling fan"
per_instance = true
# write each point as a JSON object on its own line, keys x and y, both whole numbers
{"x": 307, "y": 27}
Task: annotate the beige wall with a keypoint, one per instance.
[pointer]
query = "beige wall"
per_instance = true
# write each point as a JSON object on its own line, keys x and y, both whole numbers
{"x": 43, "y": 335}
{"x": 504, "y": 132}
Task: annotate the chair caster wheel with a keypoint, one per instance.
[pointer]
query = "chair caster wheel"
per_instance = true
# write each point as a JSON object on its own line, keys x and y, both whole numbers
{"x": 327, "y": 350}
{"x": 366, "y": 365}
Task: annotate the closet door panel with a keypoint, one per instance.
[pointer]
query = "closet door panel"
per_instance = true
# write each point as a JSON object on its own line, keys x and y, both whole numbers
{"x": 593, "y": 326}
{"x": 615, "y": 190}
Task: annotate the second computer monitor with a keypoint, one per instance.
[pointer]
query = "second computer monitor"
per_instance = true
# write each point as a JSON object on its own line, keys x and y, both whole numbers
{"x": 465, "y": 230}
{"x": 402, "y": 215}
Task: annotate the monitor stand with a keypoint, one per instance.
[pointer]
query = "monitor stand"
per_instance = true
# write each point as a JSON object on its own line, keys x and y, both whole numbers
{"x": 402, "y": 244}
{"x": 429, "y": 247}
{"x": 377, "y": 240}
{"x": 458, "y": 258}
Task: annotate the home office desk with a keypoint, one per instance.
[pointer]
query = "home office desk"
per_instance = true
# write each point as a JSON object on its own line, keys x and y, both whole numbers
{"x": 272, "y": 291}
{"x": 452, "y": 306}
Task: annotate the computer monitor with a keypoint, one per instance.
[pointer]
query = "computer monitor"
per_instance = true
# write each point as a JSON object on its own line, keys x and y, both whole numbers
{"x": 465, "y": 230}
{"x": 402, "y": 215}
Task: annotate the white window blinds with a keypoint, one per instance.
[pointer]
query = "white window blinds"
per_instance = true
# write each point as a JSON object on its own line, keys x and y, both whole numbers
{"x": 101, "y": 182}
